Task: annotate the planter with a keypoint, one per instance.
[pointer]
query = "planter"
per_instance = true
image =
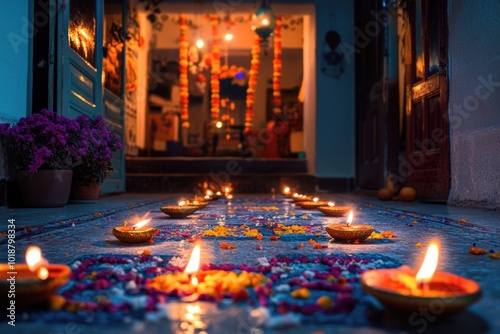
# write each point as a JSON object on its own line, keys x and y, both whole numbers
{"x": 85, "y": 193}
{"x": 45, "y": 188}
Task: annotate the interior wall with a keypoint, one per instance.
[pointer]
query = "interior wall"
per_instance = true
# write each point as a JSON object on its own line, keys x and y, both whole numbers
{"x": 474, "y": 100}
{"x": 335, "y": 123}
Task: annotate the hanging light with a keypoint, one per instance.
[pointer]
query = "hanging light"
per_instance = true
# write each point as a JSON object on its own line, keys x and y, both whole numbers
{"x": 264, "y": 22}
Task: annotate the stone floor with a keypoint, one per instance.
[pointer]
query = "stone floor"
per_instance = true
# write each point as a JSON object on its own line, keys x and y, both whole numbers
{"x": 66, "y": 234}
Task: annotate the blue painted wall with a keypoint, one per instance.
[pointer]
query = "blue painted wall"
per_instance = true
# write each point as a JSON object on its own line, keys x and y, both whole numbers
{"x": 14, "y": 40}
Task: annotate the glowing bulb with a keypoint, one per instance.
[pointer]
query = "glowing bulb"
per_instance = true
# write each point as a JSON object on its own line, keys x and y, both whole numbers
{"x": 228, "y": 37}
{"x": 200, "y": 43}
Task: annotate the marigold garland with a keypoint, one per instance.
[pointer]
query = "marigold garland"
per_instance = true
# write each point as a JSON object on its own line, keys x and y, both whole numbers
{"x": 215, "y": 70}
{"x": 277, "y": 66}
{"x": 183, "y": 68}
{"x": 252, "y": 82}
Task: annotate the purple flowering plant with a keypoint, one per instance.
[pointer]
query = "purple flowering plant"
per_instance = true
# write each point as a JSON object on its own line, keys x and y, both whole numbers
{"x": 43, "y": 140}
{"x": 99, "y": 143}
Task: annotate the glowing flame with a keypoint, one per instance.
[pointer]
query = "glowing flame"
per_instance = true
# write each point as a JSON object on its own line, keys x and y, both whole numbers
{"x": 83, "y": 33}
{"x": 286, "y": 190}
{"x": 331, "y": 204}
{"x": 141, "y": 223}
{"x": 218, "y": 193}
{"x": 265, "y": 22}
{"x": 194, "y": 261}
{"x": 349, "y": 218}
{"x": 227, "y": 189}
{"x": 36, "y": 263}
{"x": 229, "y": 196}
{"x": 200, "y": 43}
{"x": 429, "y": 266}
{"x": 218, "y": 124}
{"x": 207, "y": 197}
{"x": 181, "y": 203}
{"x": 209, "y": 192}
{"x": 315, "y": 199}
{"x": 228, "y": 37}
{"x": 295, "y": 195}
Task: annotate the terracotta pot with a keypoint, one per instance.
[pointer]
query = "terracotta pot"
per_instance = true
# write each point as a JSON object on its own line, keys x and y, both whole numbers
{"x": 45, "y": 188}
{"x": 85, "y": 193}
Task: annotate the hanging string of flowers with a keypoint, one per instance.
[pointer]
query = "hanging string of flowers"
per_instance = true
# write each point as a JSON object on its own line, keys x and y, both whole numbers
{"x": 183, "y": 69}
{"x": 215, "y": 70}
{"x": 277, "y": 66}
{"x": 252, "y": 82}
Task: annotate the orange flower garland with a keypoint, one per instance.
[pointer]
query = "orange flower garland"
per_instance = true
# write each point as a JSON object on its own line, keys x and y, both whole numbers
{"x": 183, "y": 69}
{"x": 277, "y": 66}
{"x": 252, "y": 82}
{"x": 215, "y": 70}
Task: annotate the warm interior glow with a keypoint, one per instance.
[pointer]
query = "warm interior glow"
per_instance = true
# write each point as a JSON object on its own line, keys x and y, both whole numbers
{"x": 83, "y": 33}
{"x": 228, "y": 37}
{"x": 36, "y": 263}
{"x": 181, "y": 203}
{"x": 286, "y": 190}
{"x": 429, "y": 265}
{"x": 315, "y": 199}
{"x": 194, "y": 261}
{"x": 265, "y": 22}
{"x": 141, "y": 223}
{"x": 331, "y": 204}
{"x": 349, "y": 218}
{"x": 200, "y": 43}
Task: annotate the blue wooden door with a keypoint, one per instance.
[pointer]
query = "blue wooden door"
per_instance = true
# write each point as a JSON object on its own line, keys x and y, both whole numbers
{"x": 82, "y": 83}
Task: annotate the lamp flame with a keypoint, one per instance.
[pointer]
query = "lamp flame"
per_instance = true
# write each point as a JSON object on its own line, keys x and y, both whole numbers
{"x": 286, "y": 190}
{"x": 429, "y": 265}
{"x": 331, "y": 204}
{"x": 36, "y": 263}
{"x": 265, "y": 22}
{"x": 209, "y": 192}
{"x": 194, "y": 262}
{"x": 315, "y": 199}
{"x": 349, "y": 218}
{"x": 227, "y": 189}
{"x": 295, "y": 195}
{"x": 181, "y": 203}
{"x": 141, "y": 224}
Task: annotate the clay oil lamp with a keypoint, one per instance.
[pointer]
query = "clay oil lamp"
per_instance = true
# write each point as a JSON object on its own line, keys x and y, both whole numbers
{"x": 349, "y": 232}
{"x": 181, "y": 210}
{"x": 405, "y": 290}
{"x": 287, "y": 192}
{"x": 197, "y": 202}
{"x": 23, "y": 285}
{"x": 315, "y": 203}
{"x": 301, "y": 198}
{"x": 136, "y": 233}
{"x": 333, "y": 210}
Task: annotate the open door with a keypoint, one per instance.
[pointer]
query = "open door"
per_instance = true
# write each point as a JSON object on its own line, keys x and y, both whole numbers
{"x": 81, "y": 78}
{"x": 427, "y": 146}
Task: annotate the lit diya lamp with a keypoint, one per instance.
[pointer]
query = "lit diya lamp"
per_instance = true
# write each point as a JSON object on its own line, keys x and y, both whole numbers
{"x": 406, "y": 290}
{"x": 192, "y": 283}
{"x": 32, "y": 283}
{"x": 287, "y": 192}
{"x": 315, "y": 203}
{"x": 227, "y": 191}
{"x": 349, "y": 232}
{"x": 217, "y": 195}
{"x": 200, "y": 204}
{"x": 301, "y": 198}
{"x": 333, "y": 210}
{"x": 181, "y": 210}
{"x": 136, "y": 233}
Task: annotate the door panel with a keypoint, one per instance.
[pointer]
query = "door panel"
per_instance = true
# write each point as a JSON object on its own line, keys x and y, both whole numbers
{"x": 427, "y": 93}
{"x": 80, "y": 88}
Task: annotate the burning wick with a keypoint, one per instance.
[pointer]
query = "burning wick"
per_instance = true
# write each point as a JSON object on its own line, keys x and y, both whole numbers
{"x": 193, "y": 265}
{"x": 349, "y": 219}
{"x": 140, "y": 224}
{"x": 36, "y": 263}
{"x": 428, "y": 267}
{"x": 181, "y": 203}
{"x": 331, "y": 204}
{"x": 209, "y": 193}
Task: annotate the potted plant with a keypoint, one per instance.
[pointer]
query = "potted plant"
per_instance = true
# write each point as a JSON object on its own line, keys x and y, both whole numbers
{"x": 95, "y": 165}
{"x": 44, "y": 148}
